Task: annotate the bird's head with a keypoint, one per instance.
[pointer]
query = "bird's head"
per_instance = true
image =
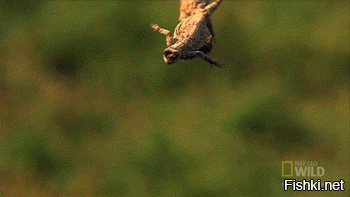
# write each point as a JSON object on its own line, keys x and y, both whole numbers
{"x": 171, "y": 56}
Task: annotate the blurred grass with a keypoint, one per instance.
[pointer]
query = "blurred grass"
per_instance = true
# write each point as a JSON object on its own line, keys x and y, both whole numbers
{"x": 89, "y": 108}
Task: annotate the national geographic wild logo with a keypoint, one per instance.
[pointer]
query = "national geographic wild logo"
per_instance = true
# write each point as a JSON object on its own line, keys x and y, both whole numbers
{"x": 302, "y": 169}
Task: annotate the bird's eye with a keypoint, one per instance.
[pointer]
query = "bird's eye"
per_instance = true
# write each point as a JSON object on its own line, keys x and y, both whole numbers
{"x": 168, "y": 52}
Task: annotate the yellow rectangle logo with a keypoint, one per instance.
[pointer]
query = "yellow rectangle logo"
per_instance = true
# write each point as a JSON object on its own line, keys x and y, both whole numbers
{"x": 287, "y": 168}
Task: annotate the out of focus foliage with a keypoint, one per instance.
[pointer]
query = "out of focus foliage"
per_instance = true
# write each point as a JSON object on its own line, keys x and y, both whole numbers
{"x": 89, "y": 108}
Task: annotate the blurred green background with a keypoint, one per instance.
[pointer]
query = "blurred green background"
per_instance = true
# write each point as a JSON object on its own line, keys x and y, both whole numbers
{"x": 89, "y": 107}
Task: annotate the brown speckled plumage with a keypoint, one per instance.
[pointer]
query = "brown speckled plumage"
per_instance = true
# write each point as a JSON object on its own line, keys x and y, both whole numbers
{"x": 193, "y": 36}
